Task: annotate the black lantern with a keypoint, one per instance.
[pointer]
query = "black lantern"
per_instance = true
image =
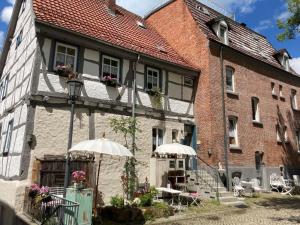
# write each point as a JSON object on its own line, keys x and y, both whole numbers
{"x": 74, "y": 88}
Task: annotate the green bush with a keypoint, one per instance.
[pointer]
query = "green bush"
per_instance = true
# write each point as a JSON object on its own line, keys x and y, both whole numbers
{"x": 158, "y": 210}
{"x": 146, "y": 200}
{"x": 117, "y": 201}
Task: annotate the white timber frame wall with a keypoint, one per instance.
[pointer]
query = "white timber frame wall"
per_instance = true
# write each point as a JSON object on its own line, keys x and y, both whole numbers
{"x": 18, "y": 68}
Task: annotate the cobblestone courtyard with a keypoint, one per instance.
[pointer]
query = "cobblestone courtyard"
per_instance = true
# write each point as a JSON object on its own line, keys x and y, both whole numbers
{"x": 274, "y": 210}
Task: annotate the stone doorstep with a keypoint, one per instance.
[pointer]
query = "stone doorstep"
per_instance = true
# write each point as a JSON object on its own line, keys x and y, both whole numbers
{"x": 183, "y": 217}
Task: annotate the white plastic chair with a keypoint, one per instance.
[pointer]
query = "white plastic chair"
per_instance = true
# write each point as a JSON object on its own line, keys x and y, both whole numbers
{"x": 256, "y": 185}
{"x": 287, "y": 187}
{"x": 238, "y": 190}
{"x": 296, "y": 179}
{"x": 275, "y": 182}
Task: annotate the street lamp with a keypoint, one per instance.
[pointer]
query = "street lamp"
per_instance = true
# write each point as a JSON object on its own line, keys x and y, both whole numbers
{"x": 74, "y": 90}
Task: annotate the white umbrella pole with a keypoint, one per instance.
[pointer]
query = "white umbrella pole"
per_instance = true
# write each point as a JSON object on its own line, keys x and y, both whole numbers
{"x": 97, "y": 183}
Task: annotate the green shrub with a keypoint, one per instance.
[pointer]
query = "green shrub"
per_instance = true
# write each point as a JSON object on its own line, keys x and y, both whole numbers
{"x": 146, "y": 200}
{"x": 117, "y": 201}
{"x": 163, "y": 210}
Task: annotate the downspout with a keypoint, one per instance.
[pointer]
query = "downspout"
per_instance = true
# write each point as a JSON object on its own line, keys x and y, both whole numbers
{"x": 134, "y": 100}
{"x": 224, "y": 118}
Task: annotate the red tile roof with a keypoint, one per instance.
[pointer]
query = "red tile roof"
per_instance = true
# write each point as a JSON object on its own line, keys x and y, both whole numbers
{"x": 92, "y": 18}
{"x": 240, "y": 37}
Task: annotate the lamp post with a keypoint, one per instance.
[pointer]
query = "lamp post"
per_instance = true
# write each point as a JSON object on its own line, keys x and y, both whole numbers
{"x": 74, "y": 90}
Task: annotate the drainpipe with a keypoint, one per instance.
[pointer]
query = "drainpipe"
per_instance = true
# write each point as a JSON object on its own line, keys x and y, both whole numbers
{"x": 134, "y": 99}
{"x": 224, "y": 119}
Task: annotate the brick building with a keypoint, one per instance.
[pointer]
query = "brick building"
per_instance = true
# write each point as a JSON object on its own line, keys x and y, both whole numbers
{"x": 245, "y": 86}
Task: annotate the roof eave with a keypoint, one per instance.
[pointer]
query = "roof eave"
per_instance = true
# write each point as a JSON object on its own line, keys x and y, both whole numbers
{"x": 9, "y": 34}
{"x": 192, "y": 69}
{"x": 277, "y": 67}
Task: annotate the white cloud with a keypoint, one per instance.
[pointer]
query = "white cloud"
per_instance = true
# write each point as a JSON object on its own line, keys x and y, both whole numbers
{"x": 242, "y": 6}
{"x": 283, "y": 16}
{"x": 140, "y": 7}
{"x": 264, "y": 25}
{"x": 295, "y": 64}
{"x": 6, "y": 14}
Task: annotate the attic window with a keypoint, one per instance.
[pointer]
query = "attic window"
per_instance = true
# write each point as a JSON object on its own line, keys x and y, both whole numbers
{"x": 285, "y": 62}
{"x": 141, "y": 24}
{"x": 223, "y": 32}
{"x": 203, "y": 9}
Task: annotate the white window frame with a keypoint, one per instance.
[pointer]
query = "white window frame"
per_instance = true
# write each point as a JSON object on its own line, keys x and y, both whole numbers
{"x": 19, "y": 38}
{"x": 157, "y": 137}
{"x": 255, "y": 109}
{"x": 4, "y": 87}
{"x": 280, "y": 91}
{"x": 285, "y": 62}
{"x": 228, "y": 68}
{"x": 66, "y": 46}
{"x": 294, "y": 99}
{"x": 158, "y": 77}
{"x": 114, "y": 59}
{"x": 273, "y": 88}
{"x": 278, "y": 135}
{"x": 176, "y": 132}
{"x": 223, "y": 25}
{"x": 235, "y": 136}
{"x": 8, "y": 137}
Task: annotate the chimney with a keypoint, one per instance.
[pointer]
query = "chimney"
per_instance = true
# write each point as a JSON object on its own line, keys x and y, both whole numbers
{"x": 112, "y": 6}
{"x": 244, "y": 25}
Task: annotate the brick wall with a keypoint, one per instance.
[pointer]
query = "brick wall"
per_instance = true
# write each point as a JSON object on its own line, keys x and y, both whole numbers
{"x": 253, "y": 79}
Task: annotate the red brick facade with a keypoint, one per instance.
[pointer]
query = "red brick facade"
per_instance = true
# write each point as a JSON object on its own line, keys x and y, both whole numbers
{"x": 253, "y": 78}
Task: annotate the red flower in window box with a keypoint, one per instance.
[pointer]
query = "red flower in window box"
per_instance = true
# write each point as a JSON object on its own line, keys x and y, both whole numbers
{"x": 110, "y": 81}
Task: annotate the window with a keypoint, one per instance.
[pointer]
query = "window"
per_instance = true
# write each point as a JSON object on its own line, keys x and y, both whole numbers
{"x": 188, "y": 82}
{"x": 172, "y": 164}
{"x": 175, "y": 136}
{"x": 285, "y": 62}
{"x": 273, "y": 88}
{"x": 229, "y": 79}
{"x": 23, "y": 6}
{"x": 281, "y": 133}
{"x": 298, "y": 140}
{"x": 157, "y": 138}
{"x": 8, "y": 137}
{"x": 110, "y": 67}
{"x": 233, "y": 136}
{"x": 294, "y": 99}
{"x": 255, "y": 109}
{"x": 4, "y": 86}
{"x": 65, "y": 55}
{"x": 19, "y": 39}
{"x": 153, "y": 78}
{"x": 223, "y": 32}
{"x": 280, "y": 91}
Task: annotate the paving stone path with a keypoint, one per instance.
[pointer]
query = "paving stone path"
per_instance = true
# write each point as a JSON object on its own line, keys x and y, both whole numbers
{"x": 267, "y": 213}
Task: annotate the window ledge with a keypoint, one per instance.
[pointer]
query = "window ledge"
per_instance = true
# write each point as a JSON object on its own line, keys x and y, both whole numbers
{"x": 232, "y": 93}
{"x": 282, "y": 98}
{"x": 296, "y": 110}
{"x": 257, "y": 123}
{"x": 275, "y": 96}
{"x": 236, "y": 149}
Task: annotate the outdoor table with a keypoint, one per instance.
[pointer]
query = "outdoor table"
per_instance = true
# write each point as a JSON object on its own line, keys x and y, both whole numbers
{"x": 194, "y": 197}
{"x": 171, "y": 191}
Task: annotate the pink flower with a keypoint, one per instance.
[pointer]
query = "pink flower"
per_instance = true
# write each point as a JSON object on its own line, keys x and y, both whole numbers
{"x": 78, "y": 176}
{"x": 35, "y": 187}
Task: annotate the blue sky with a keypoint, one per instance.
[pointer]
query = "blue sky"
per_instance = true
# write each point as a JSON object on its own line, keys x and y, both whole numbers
{"x": 260, "y": 15}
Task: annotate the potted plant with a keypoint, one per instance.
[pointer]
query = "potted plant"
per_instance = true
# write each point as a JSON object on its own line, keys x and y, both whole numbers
{"x": 79, "y": 178}
{"x": 34, "y": 190}
{"x": 156, "y": 94}
{"x": 45, "y": 194}
{"x": 66, "y": 71}
{"x": 110, "y": 81}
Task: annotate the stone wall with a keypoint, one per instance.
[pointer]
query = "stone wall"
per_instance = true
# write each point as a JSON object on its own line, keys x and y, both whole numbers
{"x": 51, "y": 133}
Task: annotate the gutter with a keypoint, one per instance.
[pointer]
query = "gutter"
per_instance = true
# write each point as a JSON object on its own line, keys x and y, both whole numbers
{"x": 225, "y": 138}
{"x": 10, "y": 34}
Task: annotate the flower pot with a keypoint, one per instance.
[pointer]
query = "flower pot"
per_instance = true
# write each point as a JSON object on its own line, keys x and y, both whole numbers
{"x": 47, "y": 199}
{"x": 79, "y": 186}
{"x": 33, "y": 194}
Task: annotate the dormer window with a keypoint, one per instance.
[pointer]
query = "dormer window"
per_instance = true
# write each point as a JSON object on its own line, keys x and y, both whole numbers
{"x": 285, "y": 62}
{"x": 223, "y": 32}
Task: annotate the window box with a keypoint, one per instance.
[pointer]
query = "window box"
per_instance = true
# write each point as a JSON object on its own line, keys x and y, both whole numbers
{"x": 235, "y": 149}
{"x": 110, "y": 81}
{"x": 155, "y": 92}
{"x": 232, "y": 94}
{"x": 66, "y": 71}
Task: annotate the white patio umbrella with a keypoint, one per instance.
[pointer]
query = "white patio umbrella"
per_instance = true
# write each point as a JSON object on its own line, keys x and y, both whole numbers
{"x": 175, "y": 149}
{"x": 101, "y": 146}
